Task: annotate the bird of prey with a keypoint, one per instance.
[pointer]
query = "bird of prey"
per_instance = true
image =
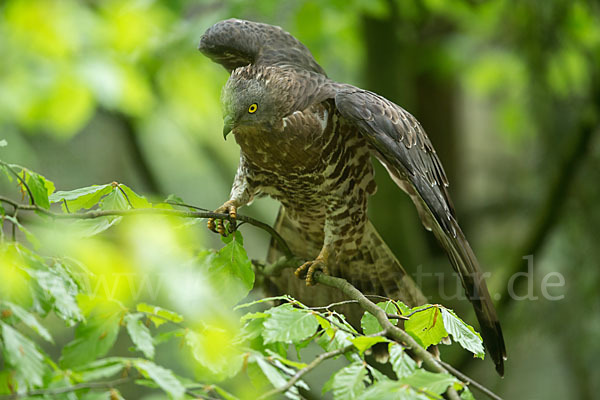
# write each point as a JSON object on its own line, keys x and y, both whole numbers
{"x": 307, "y": 141}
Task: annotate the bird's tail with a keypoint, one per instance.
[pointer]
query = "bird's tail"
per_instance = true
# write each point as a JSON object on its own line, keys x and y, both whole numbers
{"x": 465, "y": 263}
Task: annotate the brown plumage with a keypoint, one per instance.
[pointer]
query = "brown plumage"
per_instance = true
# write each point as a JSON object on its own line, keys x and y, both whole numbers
{"x": 306, "y": 141}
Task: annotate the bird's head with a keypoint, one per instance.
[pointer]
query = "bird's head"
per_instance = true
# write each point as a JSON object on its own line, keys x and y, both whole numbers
{"x": 252, "y": 99}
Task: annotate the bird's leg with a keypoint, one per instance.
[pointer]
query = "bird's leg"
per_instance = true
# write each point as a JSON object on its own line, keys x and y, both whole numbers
{"x": 216, "y": 225}
{"x": 308, "y": 269}
{"x": 242, "y": 193}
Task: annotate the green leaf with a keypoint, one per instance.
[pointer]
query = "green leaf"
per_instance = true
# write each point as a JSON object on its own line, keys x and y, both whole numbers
{"x": 466, "y": 394}
{"x": 135, "y": 199}
{"x": 93, "y": 338}
{"x": 463, "y": 333}
{"x": 23, "y": 355}
{"x": 274, "y": 375}
{"x": 426, "y": 325}
{"x": 230, "y": 270}
{"x": 159, "y": 315}
{"x": 166, "y": 336}
{"x": 140, "y": 334}
{"x": 369, "y": 323}
{"x": 86, "y": 197}
{"x": 348, "y": 383}
{"x": 392, "y": 390}
{"x": 401, "y": 362}
{"x": 362, "y": 343}
{"x": 213, "y": 349}
{"x": 264, "y": 300}
{"x": 103, "y": 368}
{"x": 62, "y": 294}
{"x": 283, "y": 360}
{"x": 429, "y": 381}
{"x": 40, "y": 187}
{"x": 28, "y": 319}
{"x": 162, "y": 377}
{"x": 93, "y": 226}
{"x": 288, "y": 324}
{"x": 115, "y": 200}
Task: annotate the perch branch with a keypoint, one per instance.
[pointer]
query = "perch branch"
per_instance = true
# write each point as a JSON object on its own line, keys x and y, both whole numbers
{"x": 153, "y": 211}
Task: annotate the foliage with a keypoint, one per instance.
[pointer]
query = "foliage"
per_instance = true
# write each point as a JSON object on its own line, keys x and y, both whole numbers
{"x": 257, "y": 345}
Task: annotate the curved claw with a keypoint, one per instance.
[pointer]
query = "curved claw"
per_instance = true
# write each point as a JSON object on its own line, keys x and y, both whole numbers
{"x": 308, "y": 269}
{"x": 216, "y": 225}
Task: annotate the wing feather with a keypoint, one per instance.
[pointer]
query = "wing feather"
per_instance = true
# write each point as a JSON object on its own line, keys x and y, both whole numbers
{"x": 236, "y": 43}
{"x": 401, "y": 144}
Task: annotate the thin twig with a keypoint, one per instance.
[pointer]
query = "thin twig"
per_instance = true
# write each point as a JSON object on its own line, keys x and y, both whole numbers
{"x": 155, "y": 211}
{"x": 68, "y": 389}
{"x": 292, "y": 381}
{"x": 470, "y": 381}
{"x": 29, "y": 192}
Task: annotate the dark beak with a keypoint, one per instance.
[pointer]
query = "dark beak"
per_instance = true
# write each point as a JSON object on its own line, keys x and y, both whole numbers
{"x": 227, "y": 126}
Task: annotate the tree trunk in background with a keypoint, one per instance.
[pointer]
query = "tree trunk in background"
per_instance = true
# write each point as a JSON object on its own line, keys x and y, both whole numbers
{"x": 394, "y": 69}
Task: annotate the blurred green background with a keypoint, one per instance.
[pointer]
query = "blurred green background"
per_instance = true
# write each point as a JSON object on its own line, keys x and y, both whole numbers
{"x": 98, "y": 91}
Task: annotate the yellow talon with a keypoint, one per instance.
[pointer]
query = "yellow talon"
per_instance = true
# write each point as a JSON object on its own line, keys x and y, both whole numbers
{"x": 218, "y": 226}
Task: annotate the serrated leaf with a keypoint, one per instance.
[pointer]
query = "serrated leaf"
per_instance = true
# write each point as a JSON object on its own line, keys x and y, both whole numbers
{"x": 369, "y": 323}
{"x": 348, "y": 383}
{"x": 162, "y": 377}
{"x": 426, "y": 325}
{"x": 135, "y": 199}
{"x": 140, "y": 334}
{"x": 28, "y": 319}
{"x": 23, "y": 355}
{"x": 362, "y": 343}
{"x": 160, "y": 315}
{"x": 86, "y": 197}
{"x": 401, "y": 362}
{"x": 230, "y": 270}
{"x": 463, "y": 333}
{"x": 392, "y": 390}
{"x": 93, "y": 338}
{"x": 288, "y": 324}
{"x": 429, "y": 381}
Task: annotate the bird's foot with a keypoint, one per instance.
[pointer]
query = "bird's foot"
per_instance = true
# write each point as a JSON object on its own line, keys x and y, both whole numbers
{"x": 216, "y": 225}
{"x": 307, "y": 270}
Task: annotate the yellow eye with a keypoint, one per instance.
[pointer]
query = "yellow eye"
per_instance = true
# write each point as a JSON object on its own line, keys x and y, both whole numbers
{"x": 253, "y": 107}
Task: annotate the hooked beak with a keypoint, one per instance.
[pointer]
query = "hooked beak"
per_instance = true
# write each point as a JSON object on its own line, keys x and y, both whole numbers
{"x": 227, "y": 126}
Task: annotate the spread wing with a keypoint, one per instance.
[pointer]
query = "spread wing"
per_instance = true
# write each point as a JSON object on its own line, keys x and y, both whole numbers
{"x": 401, "y": 144}
{"x": 235, "y": 43}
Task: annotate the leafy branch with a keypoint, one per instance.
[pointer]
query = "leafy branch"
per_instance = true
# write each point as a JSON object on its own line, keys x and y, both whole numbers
{"x": 278, "y": 321}
{"x": 153, "y": 211}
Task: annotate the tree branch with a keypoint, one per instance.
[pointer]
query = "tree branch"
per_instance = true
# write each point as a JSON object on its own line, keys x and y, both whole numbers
{"x": 292, "y": 381}
{"x": 67, "y": 389}
{"x": 154, "y": 211}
